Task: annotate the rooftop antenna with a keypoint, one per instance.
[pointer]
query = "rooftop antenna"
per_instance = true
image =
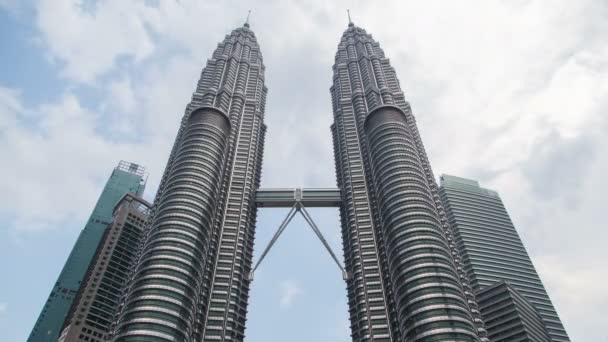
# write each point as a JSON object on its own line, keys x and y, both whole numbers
{"x": 247, "y": 20}
{"x": 350, "y": 22}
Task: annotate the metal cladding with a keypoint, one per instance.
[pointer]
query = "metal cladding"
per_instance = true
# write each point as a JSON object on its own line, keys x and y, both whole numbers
{"x": 197, "y": 253}
{"x": 406, "y": 282}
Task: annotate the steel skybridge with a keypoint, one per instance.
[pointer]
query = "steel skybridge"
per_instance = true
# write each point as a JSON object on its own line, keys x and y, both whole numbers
{"x": 298, "y": 199}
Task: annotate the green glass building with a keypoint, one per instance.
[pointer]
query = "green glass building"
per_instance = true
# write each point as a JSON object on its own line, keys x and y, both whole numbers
{"x": 126, "y": 177}
{"x": 98, "y": 298}
{"x": 491, "y": 249}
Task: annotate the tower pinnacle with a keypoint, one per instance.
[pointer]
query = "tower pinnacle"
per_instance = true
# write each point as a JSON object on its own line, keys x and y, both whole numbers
{"x": 247, "y": 20}
{"x": 350, "y": 22}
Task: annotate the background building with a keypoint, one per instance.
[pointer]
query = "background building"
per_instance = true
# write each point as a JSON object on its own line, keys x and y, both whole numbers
{"x": 509, "y": 316}
{"x": 126, "y": 177}
{"x": 96, "y": 304}
{"x": 491, "y": 249}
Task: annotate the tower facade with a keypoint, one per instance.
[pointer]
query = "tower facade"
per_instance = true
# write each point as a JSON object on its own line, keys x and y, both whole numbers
{"x": 190, "y": 282}
{"x": 405, "y": 282}
{"x": 126, "y": 177}
{"x": 491, "y": 248}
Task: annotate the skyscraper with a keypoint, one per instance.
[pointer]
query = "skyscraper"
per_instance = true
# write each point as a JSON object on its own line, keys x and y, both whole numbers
{"x": 193, "y": 268}
{"x": 126, "y": 177}
{"x": 93, "y": 310}
{"x": 492, "y": 250}
{"x": 406, "y": 282}
{"x": 403, "y": 274}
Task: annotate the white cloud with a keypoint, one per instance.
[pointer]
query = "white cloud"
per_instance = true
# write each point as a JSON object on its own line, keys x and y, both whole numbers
{"x": 42, "y": 162}
{"x": 88, "y": 38}
{"x": 57, "y": 162}
{"x": 290, "y": 290}
{"x": 121, "y": 93}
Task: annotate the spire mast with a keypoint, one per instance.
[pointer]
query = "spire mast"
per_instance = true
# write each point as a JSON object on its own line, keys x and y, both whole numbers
{"x": 350, "y": 22}
{"x": 247, "y": 20}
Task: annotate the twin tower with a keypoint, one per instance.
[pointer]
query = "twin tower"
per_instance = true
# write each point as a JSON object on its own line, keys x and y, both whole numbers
{"x": 405, "y": 279}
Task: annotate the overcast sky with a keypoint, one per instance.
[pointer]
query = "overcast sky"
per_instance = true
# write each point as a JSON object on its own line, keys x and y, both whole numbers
{"x": 511, "y": 93}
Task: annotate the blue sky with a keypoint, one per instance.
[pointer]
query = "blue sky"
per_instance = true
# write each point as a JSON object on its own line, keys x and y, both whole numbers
{"x": 513, "y": 94}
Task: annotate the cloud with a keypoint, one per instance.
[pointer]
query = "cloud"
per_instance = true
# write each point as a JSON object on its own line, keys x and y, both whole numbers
{"x": 88, "y": 38}
{"x": 290, "y": 290}
{"x": 575, "y": 283}
{"x": 121, "y": 91}
{"x": 559, "y": 165}
{"x": 57, "y": 161}
{"x": 3, "y": 309}
{"x": 44, "y": 145}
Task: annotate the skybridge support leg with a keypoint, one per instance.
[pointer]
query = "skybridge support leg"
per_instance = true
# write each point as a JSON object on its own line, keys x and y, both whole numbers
{"x": 298, "y": 207}
{"x": 280, "y": 230}
{"x": 314, "y": 227}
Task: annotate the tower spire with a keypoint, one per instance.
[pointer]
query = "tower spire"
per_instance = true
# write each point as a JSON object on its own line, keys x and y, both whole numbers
{"x": 247, "y": 20}
{"x": 350, "y": 22}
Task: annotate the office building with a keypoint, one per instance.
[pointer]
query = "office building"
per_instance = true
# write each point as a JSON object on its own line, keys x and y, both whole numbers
{"x": 126, "y": 177}
{"x": 509, "y": 316}
{"x": 491, "y": 248}
{"x": 97, "y": 301}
